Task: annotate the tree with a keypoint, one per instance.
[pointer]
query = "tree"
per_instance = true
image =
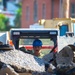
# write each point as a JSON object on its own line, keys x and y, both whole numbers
{"x": 4, "y": 21}
{"x": 17, "y": 20}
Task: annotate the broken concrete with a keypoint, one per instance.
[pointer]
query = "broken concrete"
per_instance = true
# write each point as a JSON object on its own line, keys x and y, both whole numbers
{"x": 8, "y": 70}
{"x": 16, "y": 62}
{"x": 21, "y": 62}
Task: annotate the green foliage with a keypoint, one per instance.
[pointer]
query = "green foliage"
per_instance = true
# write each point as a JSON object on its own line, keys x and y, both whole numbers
{"x": 3, "y": 22}
{"x": 17, "y": 20}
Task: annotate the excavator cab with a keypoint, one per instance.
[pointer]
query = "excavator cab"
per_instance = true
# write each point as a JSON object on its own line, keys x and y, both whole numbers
{"x": 24, "y": 37}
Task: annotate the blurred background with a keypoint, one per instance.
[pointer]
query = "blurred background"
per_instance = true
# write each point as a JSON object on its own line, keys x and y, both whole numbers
{"x": 24, "y": 13}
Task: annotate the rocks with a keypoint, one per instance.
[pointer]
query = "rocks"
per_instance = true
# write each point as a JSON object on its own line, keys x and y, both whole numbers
{"x": 8, "y": 70}
{"x": 66, "y": 50}
{"x": 65, "y": 56}
{"x": 21, "y": 62}
{"x": 16, "y": 62}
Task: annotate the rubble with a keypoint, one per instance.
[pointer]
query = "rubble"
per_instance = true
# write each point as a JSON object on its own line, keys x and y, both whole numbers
{"x": 65, "y": 56}
{"x": 16, "y": 62}
{"x": 8, "y": 70}
{"x": 21, "y": 62}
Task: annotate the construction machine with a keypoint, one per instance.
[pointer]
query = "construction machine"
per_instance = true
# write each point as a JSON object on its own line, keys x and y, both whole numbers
{"x": 24, "y": 37}
{"x": 63, "y": 24}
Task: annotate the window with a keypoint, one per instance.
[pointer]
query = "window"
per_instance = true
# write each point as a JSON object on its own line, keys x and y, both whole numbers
{"x": 73, "y": 10}
{"x": 46, "y": 47}
{"x": 35, "y": 11}
{"x": 27, "y": 13}
{"x": 52, "y": 9}
{"x": 43, "y": 11}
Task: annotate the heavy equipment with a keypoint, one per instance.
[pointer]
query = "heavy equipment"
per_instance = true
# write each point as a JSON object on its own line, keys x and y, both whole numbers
{"x": 63, "y": 24}
{"x": 24, "y": 37}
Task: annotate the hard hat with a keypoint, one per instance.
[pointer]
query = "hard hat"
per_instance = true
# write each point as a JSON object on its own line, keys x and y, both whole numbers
{"x": 37, "y": 42}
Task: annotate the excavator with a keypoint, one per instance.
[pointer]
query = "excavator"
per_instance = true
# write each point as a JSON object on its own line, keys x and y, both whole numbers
{"x": 26, "y": 36}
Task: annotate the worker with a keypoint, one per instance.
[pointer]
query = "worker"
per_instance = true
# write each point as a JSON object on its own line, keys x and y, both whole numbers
{"x": 37, "y": 45}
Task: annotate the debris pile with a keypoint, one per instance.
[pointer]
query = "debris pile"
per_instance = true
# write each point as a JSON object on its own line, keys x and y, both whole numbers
{"x": 16, "y": 62}
{"x": 21, "y": 62}
{"x": 65, "y": 56}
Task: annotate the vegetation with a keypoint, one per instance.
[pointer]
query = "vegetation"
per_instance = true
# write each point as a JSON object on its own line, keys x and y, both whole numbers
{"x": 4, "y": 22}
{"x": 17, "y": 20}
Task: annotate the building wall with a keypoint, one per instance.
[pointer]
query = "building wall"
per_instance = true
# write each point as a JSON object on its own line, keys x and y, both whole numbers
{"x": 26, "y": 3}
{"x": 52, "y": 10}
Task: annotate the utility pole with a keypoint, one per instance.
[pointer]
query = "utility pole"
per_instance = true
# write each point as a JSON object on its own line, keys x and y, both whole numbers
{"x": 66, "y": 4}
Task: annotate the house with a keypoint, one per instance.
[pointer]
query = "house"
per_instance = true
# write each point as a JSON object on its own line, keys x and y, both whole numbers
{"x": 34, "y": 10}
